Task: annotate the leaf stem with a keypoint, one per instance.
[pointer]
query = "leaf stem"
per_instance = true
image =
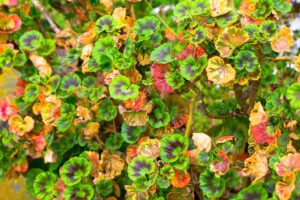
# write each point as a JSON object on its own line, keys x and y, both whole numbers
{"x": 160, "y": 18}
{"x": 190, "y": 121}
{"x": 39, "y": 6}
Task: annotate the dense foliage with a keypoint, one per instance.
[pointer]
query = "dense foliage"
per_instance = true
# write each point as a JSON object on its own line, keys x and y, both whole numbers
{"x": 195, "y": 99}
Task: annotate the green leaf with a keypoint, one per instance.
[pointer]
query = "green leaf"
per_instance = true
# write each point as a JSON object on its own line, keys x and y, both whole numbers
{"x": 162, "y": 54}
{"x": 96, "y": 93}
{"x": 74, "y": 170}
{"x": 263, "y": 9}
{"x": 48, "y": 46}
{"x": 31, "y": 40}
{"x": 282, "y": 6}
{"x": 70, "y": 82}
{"x": 20, "y": 59}
{"x": 173, "y": 147}
{"x": 183, "y": 10}
{"x": 31, "y": 92}
{"x": 293, "y": 95}
{"x": 121, "y": 89}
{"x": 44, "y": 185}
{"x": 253, "y": 192}
{"x": 80, "y": 191}
{"x": 64, "y": 123}
{"x": 190, "y": 69}
{"x": 114, "y": 141}
{"x": 199, "y": 35}
{"x": 107, "y": 110}
{"x": 246, "y": 60}
{"x": 131, "y": 134}
{"x": 107, "y": 24}
{"x": 140, "y": 166}
{"x": 211, "y": 186}
{"x": 104, "y": 187}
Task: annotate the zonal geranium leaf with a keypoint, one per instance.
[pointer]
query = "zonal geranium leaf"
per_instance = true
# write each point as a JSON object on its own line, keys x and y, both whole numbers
{"x": 247, "y": 7}
{"x": 159, "y": 72}
{"x": 282, "y": 41}
{"x": 146, "y": 26}
{"x": 44, "y": 185}
{"x": 74, "y": 170}
{"x": 96, "y": 93}
{"x": 252, "y": 30}
{"x": 114, "y": 141}
{"x": 107, "y": 110}
{"x": 263, "y": 9}
{"x": 72, "y": 57}
{"x": 104, "y": 187}
{"x": 220, "y": 7}
{"x": 219, "y": 72}
{"x": 200, "y": 7}
{"x": 101, "y": 46}
{"x": 107, "y": 24}
{"x": 20, "y": 59}
{"x": 173, "y": 147}
{"x": 226, "y": 20}
{"x": 70, "y": 82}
{"x": 47, "y": 47}
{"x": 253, "y": 192}
{"x": 211, "y": 186}
{"x": 7, "y": 59}
{"x": 159, "y": 117}
{"x": 54, "y": 82}
{"x": 121, "y": 89}
{"x": 10, "y": 23}
{"x": 80, "y": 192}
{"x": 131, "y": 134}
{"x": 246, "y": 60}
{"x": 183, "y": 10}
{"x": 282, "y": 6}
{"x": 31, "y": 40}
{"x": 180, "y": 179}
{"x": 190, "y": 69}
{"x": 162, "y": 54}
{"x": 31, "y": 93}
{"x": 174, "y": 79}
{"x": 139, "y": 167}
{"x": 63, "y": 123}
{"x": 229, "y": 39}
{"x": 293, "y": 95}
{"x": 199, "y": 35}
{"x": 268, "y": 28}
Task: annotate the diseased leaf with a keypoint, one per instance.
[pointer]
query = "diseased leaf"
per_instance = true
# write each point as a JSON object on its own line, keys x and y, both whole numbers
{"x": 282, "y": 41}
{"x": 219, "y": 72}
{"x": 229, "y": 39}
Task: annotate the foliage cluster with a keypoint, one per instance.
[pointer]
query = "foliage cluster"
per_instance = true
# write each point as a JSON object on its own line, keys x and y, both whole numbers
{"x": 199, "y": 99}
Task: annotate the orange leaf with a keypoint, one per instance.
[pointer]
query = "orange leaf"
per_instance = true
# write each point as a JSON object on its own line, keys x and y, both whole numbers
{"x": 19, "y": 125}
{"x": 180, "y": 179}
{"x": 10, "y": 23}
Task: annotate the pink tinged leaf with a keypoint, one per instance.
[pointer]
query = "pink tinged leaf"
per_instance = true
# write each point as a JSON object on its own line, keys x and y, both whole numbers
{"x": 7, "y": 109}
{"x": 289, "y": 163}
{"x": 158, "y": 75}
{"x": 10, "y": 23}
{"x": 220, "y": 167}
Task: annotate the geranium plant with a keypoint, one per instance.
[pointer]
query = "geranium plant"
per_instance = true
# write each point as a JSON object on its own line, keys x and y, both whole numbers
{"x": 138, "y": 99}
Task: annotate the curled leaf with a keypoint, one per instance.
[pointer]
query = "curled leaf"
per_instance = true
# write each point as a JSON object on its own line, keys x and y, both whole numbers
{"x": 220, "y": 167}
{"x": 282, "y": 41}
{"x": 288, "y": 163}
{"x": 256, "y": 166}
{"x": 219, "y": 72}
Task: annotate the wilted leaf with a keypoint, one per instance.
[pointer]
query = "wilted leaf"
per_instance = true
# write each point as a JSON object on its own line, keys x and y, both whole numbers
{"x": 202, "y": 141}
{"x": 247, "y": 7}
{"x": 180, "y": 179}
{"x": 256, "y": 166}
{"x": 149, "y": 148}
{"x": 41, "y": 64}
{"x": 19, "y": 125}
{"x": 158, "y": 72}
{"x": 220, "y": 167}
{"x": 288, "y": 163}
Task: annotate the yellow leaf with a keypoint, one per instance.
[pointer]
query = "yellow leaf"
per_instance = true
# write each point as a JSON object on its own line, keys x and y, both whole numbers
{"x": 220, "y": 7}
{"x": 282, "y": 41}
{"x": 219, "y": 72}
{"x": 229, "y": 39}
{"x": 149, "y": 148}
{"x": 19, "y": 125}
{"x": 256, "y": 166}
{"x": 257, "y": 115}
{"x": 298, "y": 62}
{"x": 285, "y": 187}
{"x": 41, "y": 64}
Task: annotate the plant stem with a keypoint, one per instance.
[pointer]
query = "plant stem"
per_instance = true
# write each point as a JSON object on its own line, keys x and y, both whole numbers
{"x": 132, "y": 12}
{"x": 39, "y": 6}
{"x": 190, "y": 121}
{"x": 161, "y": 19}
